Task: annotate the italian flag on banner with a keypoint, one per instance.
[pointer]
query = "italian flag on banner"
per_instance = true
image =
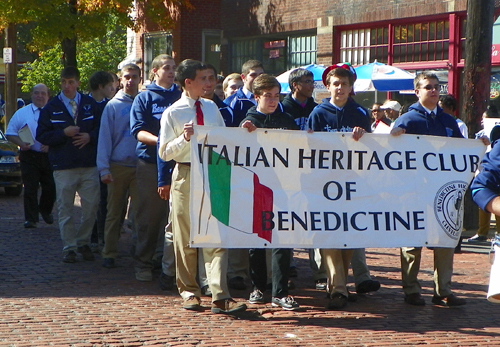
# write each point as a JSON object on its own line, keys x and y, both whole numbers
{"x": 237, "y": 198}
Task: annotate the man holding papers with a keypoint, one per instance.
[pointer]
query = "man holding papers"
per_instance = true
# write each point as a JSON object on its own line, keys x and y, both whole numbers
{"x": 35, "y": 166}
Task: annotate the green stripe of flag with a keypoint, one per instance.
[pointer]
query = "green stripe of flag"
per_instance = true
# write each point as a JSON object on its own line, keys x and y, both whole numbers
{"x": 219, "y": 178}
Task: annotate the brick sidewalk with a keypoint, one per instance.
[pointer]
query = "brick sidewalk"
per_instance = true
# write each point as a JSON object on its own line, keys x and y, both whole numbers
{"x": 45, "y": 302}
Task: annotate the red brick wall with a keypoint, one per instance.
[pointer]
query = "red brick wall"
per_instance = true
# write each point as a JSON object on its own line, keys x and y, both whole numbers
{"x": 244, "y": 18}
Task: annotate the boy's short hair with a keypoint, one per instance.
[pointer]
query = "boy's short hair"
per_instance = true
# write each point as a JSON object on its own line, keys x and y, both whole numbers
{"x": 100, "y": 78}
{"x": 187, "y": 69}
{"x": 340, "y": 72}
{"x": 449, "y": 101}
{"x": 157, "y": 63}
{"x": 70, "y": 72}
{"x": 296, "y": 75}
{"x": 265, "y": 82}
{"x": 211, "y": 67}
{"x": 234, "y": 76}
{"x": 250, "y": 65}
{"x": 128, "y": 67}
{"x": 424, "y": 76}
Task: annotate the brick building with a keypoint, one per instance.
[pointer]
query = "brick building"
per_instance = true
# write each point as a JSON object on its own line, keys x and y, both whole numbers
{"x": 414, "y": 35}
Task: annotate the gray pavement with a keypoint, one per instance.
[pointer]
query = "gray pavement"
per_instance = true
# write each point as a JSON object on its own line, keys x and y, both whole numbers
{"x": 45, "y": 302}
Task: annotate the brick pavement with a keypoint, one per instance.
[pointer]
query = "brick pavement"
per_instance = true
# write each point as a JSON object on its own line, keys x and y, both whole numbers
{"x": 45, "y": 302}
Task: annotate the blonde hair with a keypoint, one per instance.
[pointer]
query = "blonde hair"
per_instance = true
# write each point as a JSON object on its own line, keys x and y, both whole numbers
{"x": 231, "y": 77}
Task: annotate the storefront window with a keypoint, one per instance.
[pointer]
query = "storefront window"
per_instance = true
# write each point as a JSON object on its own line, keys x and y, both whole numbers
{"x": 243, "y": 51}
{"x": 301, "y": 51}
{"x": 155, "y": 44}
{"x": 421, "y": 42}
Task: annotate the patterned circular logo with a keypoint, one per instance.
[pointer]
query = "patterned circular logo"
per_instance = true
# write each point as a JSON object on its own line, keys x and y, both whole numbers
{"x": 449, "y": 207}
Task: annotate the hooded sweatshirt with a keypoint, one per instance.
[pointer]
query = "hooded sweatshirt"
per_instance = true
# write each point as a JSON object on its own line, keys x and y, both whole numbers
{"x": 116, "y": 145}
{"x": 297, "y": 111}
{"x": 327, "y": 117}
{"x": 276, "y": 120}
{"x": 146, "y": 113}
{"x": 418, "y": 121}
{"x": 486, "y": 185}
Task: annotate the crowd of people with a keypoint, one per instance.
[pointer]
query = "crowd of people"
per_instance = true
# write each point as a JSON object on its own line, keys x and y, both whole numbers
{"x": 127, "y": 152}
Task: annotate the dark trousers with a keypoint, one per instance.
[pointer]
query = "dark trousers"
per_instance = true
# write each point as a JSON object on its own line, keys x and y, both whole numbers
{"x": 98, "y": 230}
{"x": 280, "y": 264}
{"x": 36, "y": 172}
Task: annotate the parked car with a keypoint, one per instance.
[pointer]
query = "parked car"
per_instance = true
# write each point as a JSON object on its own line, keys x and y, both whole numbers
{"x": 10, "y": 167}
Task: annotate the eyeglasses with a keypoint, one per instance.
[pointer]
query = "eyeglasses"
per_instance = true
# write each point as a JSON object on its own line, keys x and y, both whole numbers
{"x": 431, "y": 87}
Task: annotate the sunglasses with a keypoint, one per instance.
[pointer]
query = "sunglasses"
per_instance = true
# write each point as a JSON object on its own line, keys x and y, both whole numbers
{"x": 431, "y": 87}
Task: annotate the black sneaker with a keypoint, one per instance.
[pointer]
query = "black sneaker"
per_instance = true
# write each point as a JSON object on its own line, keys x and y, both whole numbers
{"x": 321, "y": 284}
{"x": 166, "y": 282}
{"x": 86, "y": 253}
{"x": 287, "y": 303}
{"x": 108, "y": 263}
{"x": 256, "y": 297}
{"x": 69, "y": 257}
{"x": 337, "y": 301}
{"x": 367, "y": 286}
{"x": 477, "y": 238}
{"x": 205, "y": 290}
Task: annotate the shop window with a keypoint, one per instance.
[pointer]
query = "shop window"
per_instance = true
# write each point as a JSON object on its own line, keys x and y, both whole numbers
{"x": 301, "y": 51}
{"x": 421, "y": 42}
{"x": 241, "y": 51}
{"x": 364, "y": 46}
{"x": 155, "y": 44}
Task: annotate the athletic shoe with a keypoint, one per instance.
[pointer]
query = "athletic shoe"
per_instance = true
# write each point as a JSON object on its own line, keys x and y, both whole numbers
{"x": 256, "y": 297}
{"x": 287, "y": 303}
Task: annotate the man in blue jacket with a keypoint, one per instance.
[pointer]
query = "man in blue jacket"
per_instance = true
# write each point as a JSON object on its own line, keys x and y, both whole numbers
{"x": 425, "y": 117}
{"x": 69, "y": 125}
{"x": 241, "y": 101}
{"x": 486, "y": 186}
{"x": 152, "y": 210}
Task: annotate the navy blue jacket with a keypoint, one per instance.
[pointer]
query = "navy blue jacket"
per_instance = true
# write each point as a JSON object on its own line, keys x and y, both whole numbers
{"x": 418, "y": 122}
{"x": 326, "y": 117}
{"x": 240, "y": 105}
{"x": 299, "y": 113}
{"x": 225, "y": 111}
{"x": 277, "y": 120}
{"x": 54, "y": 118}
{"x": 486, "y": 185}
{"x": 145, "y": 115}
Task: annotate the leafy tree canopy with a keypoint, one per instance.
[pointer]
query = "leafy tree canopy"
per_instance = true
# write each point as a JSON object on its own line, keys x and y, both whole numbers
{"x": 92, "y": 55}
{"x": 85, "y": 19}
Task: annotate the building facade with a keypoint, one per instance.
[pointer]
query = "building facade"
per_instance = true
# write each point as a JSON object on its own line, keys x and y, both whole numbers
{"x": 414, "y": 35}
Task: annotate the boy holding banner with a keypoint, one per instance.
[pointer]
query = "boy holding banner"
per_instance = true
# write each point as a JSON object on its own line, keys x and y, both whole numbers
{"x": 339, "y": 114}
{"x": 426, "y": 118}
{"x": 175, "y": 133}
{"x": 268, "y": 115}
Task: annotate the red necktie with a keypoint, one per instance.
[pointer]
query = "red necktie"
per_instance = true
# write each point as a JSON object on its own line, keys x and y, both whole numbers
{"x": 199, "y": 113}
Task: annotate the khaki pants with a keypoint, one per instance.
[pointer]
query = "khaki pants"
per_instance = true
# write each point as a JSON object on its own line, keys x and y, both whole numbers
{"x": 85, "y": 182}
{"x": 484, "y": 223}
{"x": 124, "y": 184}
{"x": 336, "y": 263}
{"x": 443, "y": 269}
{"x": 186, "y": 258}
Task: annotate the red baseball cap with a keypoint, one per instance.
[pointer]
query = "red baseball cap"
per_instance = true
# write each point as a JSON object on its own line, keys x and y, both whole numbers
{"x": 346, "y": 66}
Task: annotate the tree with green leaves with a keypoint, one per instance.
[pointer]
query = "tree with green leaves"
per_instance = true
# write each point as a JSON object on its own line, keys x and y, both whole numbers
{"x": 92, "y": 55}
{"x": 69, "y": 22}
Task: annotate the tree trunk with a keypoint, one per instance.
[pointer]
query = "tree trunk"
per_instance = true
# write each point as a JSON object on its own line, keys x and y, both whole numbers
{"x": 68, "y": 44}
{"x": 477, "y": 75}
{"x": 69, "y": 52}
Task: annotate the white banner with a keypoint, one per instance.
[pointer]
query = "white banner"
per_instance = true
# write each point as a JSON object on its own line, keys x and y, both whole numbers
{"x": 279, "y": 188}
